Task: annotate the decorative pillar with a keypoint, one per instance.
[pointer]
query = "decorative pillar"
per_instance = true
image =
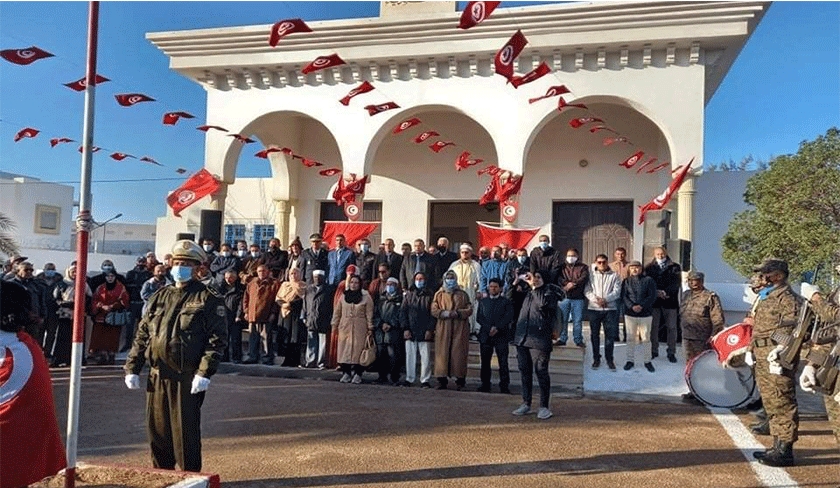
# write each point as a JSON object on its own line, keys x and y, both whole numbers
{"x": 685, "y": 212}
{"x": 281, "y": 221}
{"x": 217, "y": 200}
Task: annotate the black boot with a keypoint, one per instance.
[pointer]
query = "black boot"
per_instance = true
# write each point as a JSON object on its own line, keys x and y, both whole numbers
{"x": 762, "y": 454}
{"x": 761, "y": 427}
{"x": 782, "y": 456}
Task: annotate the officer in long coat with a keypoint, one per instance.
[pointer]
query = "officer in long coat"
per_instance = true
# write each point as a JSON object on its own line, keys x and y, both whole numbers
{"x": 183, "y": 336}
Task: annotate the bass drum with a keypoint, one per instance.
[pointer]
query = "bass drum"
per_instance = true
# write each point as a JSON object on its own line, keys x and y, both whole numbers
{"x": 717, "y": 386}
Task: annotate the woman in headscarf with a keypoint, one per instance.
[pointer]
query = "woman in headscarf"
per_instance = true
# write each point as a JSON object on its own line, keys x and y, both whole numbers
{"x": 65, "y": 296}
{"x": 110, "y": 296}
{"x": 389, "y": 345}
{"x": 353, "y": 319}
{"x": 339, "y": 294}
{"x": 452, "y": 309}
{"x": 290, "y": 299}
{"x": 295, "y": 251}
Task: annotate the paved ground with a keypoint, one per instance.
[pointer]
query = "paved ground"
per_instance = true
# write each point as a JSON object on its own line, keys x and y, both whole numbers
{"x": 274, "y": 431}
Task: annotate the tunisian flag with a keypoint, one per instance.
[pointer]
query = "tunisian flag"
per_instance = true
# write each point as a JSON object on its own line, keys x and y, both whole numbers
{"x": 489, "y": 235}
{"x": 285, "y": 27}
{"x": 32, "y": 447}
{"x": 504, "y": 58}
{"x": 194, "y": 189}
{"x": 353, "y": 231}
{"x": 475, "y": 13}
{"x": 322, "y": 62}
{"x": 662, "y": 200}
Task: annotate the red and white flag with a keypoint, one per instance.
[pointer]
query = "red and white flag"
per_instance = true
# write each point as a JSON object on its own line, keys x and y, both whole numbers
{"x": 645, "y": 165}
{"x": 439, "y": 145}
{"x": 93, "y": 149}
{"x": 24, "y": 56}
{"x": 599, "y": 128}
{"x": 382, "y": 107}
{"x": 80, "y": 84}
{"x": 509, "y": 188}
{"x": 581, "y": 121}
{"x": 406, "y": 124}
{"x": 285, "y": 27}
{"x": 463, "y": 162}
{"x": 241, "y": 138}
{"x": 118, "y": 156}
{"x": 129, "y": 99}
{"x": 364, "y": 87}
{"x": 322, "y": 62}
{"x": 475, "y": 13}
{"x": 489, "y": 170}
{"x": 490, "y": 191}
{"x": 632, "y": 160}
{"x": 310, "y": 163}
{"x": 504, "y": 58}
{"x": 608, "y": 141}
{"x": 265, "y": 152}
{"x": 425, "y": 135}
{"x": 329, "y": 172}
{"x": 27, "y": 132}
{"x": 658, "y": 167}
{"x": 194, "y": 189}
{"x": 554, "y": 91}
{"x": 535, "y": 74}
{"x": 147, "y": 159}
{"x": 172, "y": 118}
{"x": 662, "y": 200}
{"x": 205, "y": 128}
{"x": 59, "y": 140}
{"x": 561, "y": 104}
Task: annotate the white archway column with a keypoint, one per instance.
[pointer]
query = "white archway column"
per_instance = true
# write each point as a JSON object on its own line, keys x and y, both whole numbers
{"x": 685, "y": 211}
{"x": 217, "y": 200}
{"x": 281, "y": 221}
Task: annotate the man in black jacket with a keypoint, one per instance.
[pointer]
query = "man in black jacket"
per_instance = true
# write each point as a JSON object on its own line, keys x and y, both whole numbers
{"x": 313, "y": 258}
{"x": 668, "y": 278}
{"x": 420, "y": 261}
{"x": 366, "y": 263}
{"x": 418, "y": 326}
{"x": 495, "y": 316}
{"x": 276, "y": 259}
{"x": 232, "y": 289}
{"x": 544, "y": 259}
{"x": 317, "y": 314}
{"x": 390, "y": 256}
{"x": 638, "y": 293}
{"x": 134, "y": 280}
{"x": 444, "y": 256}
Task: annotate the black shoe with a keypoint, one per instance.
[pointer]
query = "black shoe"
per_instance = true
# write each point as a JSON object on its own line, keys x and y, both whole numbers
{"x": 596, "y": 363}
{"x": 425, "y": 385}
{"x": 781, "y": 456}
{"x": 628, "y": 365}
{"x": 654, "y": 355}
{"x": 381, "y": 381}
{"x": 649, "y": 367}
{"x": 504, "y": 389}
{"x": 484, "y": 389}
{"x": 441, "y": 385}
{"x": 249, "y": 361}
{"x": 760, "y": 427}
{"x": 672, "y": 358}
{"x": 611, "y": 365}
{"x": 404, "y": 383}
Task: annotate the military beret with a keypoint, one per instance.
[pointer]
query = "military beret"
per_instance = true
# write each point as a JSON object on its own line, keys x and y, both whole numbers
{"x": 771, "y": 265}
{"x": 696, "y": 275}
{"x": 315, "y": 237}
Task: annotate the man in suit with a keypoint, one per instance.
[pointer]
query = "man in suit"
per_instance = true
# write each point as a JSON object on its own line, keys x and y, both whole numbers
{"x": 420, "y": 261}
{"x": 391, "y": 257}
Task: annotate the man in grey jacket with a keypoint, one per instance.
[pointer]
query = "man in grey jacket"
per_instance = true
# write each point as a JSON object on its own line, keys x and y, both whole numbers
{"x": 603, "y": 290}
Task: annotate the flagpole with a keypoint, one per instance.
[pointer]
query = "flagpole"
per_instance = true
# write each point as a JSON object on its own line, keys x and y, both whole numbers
{"x": 83, "y": 227}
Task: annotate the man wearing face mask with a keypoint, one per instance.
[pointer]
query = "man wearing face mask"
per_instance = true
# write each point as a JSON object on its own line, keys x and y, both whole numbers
{"x": 519, "y": 288}
{"x": 388, "y": 332}
{"x": 182, "y": 335}
{"x": 225, "y": 261}
{"x": 276, "y": 259}
{"x": 390, "y": 256}
{"x": 159, "y": 279}
{"x": 49, "y": 280}
{"x": 452, "y": 309}
{"x": 668, "y": 277}
{"x": 209, "y": 247}
{"x": 418, "y": 330}
{"x": 366, "y": 264}
{"x": 134, "y": 279}
{"x": 107, "y": 267}
{"x": 248, "y": 268}
{"x": 420, "y": 261}
{"x": 572, "y": 277}
{"x": 444, "y": 255}
{"x": 544, "y": 259}
{"x": 241, "y": 250}
{"x": 495, "y": 267}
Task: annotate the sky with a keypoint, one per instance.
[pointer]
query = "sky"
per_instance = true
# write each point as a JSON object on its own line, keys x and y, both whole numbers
{"x": 784, "y": 88}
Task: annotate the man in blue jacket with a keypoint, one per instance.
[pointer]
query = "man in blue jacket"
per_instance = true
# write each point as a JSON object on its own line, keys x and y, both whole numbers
{"x": 338, "y": 259}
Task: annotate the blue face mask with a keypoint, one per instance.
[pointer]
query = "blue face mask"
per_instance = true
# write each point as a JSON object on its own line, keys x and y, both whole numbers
{"x": 182, "y": 274}
{"x": 365, "y": 248}
{"x": 391, "y": 289}
{"x": 49, "y": 273}
{"x": 543, "y": 245}
{"x": 419, "y": 284}
{"x": 450, "y": 283}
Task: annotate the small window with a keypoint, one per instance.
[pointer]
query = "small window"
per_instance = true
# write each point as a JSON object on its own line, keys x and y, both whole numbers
{"x": 47, "y": 219}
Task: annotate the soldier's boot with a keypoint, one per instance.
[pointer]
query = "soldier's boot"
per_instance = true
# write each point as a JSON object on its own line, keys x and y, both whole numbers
{"x": 761, "y": 427}
{"x": 782, "y": 456}
{"x": 761, "y": 454}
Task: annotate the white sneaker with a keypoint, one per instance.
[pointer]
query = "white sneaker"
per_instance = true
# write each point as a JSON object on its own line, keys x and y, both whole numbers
{"x": 357, "y": 380}
{"x": 345, "y": 378}
{"x": 544, "y": 414}
{"x": 523, "y": 409}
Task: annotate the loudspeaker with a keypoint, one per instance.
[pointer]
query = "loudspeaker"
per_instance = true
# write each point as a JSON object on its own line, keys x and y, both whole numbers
{"x": 680, "y": 252}
{"x": 185, "y": 235}
{"x": 211, "y": 226}
{"x": 657, "y": 228}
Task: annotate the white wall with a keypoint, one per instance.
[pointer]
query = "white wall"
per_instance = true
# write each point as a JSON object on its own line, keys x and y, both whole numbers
{"x": 19, "y": 197}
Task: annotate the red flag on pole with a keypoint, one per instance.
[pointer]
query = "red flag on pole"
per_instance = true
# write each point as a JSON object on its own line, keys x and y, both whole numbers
{"x": 285, "y": 27}
{"x": 475, "y": 13}
{"x": 80, "y": 84}
{"x": 662, "y": 200}
{"x": 504, "y": 58}
{"x": 194, "y": 189}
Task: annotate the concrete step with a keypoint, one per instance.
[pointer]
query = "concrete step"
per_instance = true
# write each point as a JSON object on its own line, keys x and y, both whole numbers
{"x": 565, "y": 366}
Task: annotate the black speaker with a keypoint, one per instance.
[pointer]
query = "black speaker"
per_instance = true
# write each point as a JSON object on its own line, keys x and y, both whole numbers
{"x": 185, "y": 235}
{"x": 211, "y": 226}
{"x": 680, "y": 252}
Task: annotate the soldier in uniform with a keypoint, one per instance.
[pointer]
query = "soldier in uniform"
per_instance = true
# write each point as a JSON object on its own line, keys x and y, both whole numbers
{"x": 778, "y": 309}
{"x": 183, "y": 336}
{"x": 828, "y": 310}
{"x": 702, "y": 317}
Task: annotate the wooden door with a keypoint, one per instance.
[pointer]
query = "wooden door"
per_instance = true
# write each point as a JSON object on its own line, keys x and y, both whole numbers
{"x": 592, "y": 227}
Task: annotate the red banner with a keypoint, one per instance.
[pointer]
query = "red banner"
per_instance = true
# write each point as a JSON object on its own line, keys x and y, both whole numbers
{"x": 659, "y": 202}
{"x": 353, "y": 231}
{"x": 194, "y": 189}
{"x": 489, "y": 235}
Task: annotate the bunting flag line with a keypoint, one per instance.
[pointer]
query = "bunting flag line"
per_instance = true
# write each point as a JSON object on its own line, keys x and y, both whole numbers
{"x": 503, "y": 60}
{"x": 93, "y": 149}
{"x": 147, "y": 159}
{"x": 406, "y": 124}
{"x": 120, "y": 156}
{"x": 322, "y": 62}
{"x": 364, "y": 87}
{"x": 241, "y": 138}
{"x": 463, "y": 162}
{"x": 439, "y": 145}
{"x": 608, "y": 141}
{"x": 600, "y": 128}
{"x": 475, "y": 13}
{"x": 27, "y": 132}
{"x": 172, "y": 118}
{"x": 581, "y": 121}
{"x": 310, "y": 163}
{"x": 632, "y": 160}
{"x": 425, "y": 135}
{"x": 648, "y": 163}
{"x": 554, "y": 91}
{"x": 561, "y": 104}
{"x": 59, "y": 140}
{"x": 265, "y": 152}
{"x": 659, "y": 202}
{"x": 677, "y": 169}
{"x": 329, "y": 172}
{"x": 80, "y": 84}
{"x": 535, "y": 74}
{"x": 658, "y": 167}
{"x": 382, "y": 107}
{"x": 488, "y": 170}
{"x": 129, "y": 99}
{"x": 285, "y": 27}
{"x": 25, "y": 56}
{"x": 205, "y": 128}
{"x": 194, "y": 189}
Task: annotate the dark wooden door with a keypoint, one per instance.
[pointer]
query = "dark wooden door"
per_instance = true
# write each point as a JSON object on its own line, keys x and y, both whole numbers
{"x": 592, "y": 227}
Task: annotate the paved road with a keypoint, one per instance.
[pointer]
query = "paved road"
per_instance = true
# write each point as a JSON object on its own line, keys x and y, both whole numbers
{"x": 272, "y": 432}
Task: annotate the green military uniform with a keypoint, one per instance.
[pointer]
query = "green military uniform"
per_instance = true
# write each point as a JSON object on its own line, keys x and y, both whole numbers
{"x": 829, "y": 311}
{"x": 701, "y": 315}
{"x": 779, "y": 310}
{"x": 182, "y": 334}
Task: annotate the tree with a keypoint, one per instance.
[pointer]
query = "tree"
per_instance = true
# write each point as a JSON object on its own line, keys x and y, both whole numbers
{"x": 8, "y": 244}
{"x": 796, "y": 211}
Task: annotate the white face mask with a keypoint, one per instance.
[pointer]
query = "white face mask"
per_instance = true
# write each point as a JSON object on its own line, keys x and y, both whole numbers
{"x": 241, "y": 253}
{"x": 571, "y": 259}
{"x": 208, "y": 248}
{"x": 660, "y": 260}
{"x": 226, "y": 254}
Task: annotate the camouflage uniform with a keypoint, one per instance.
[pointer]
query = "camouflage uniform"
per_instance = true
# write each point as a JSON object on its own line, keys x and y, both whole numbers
{"x": 182, "y": 334}
{"x": 701, "y": 315}
{"x": 780, "y": 310}
{"x": 828, "y": 310}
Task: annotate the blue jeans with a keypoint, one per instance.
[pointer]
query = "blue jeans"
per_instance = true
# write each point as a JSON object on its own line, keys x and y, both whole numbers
{"x": 609, "y": 318}
{"x": 573, "y": 307}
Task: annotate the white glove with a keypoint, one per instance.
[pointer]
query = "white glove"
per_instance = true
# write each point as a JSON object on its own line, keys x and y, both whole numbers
{"x": 132, "y": 381}
{"x": 837, "y": 397}
{"x": 808, "y": 380}
{"x": 807, "y": 290}
{"x": 773, "y": 357}
{"x": 199, "y": 384}
{"x": 749, "y": 359}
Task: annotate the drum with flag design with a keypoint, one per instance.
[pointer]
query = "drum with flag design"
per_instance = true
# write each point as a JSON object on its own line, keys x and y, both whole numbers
{"x": 717, "y": 386}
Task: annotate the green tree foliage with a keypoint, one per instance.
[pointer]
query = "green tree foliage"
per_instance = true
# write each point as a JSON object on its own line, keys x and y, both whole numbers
{"x": 795, "y": 212}
{"x": 8, "y": 244}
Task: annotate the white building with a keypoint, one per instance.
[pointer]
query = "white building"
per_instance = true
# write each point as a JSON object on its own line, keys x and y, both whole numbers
{"x": 646, "y": 68}
{"x": 42, "y": 211}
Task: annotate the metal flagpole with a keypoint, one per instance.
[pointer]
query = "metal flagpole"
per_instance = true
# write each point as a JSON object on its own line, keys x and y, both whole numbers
{"x": 83, "y": 225}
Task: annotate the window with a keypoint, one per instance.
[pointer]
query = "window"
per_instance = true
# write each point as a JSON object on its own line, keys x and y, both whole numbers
{"x": 262, "y": 234}
{"x": 47, "y": 219}
{"x": 233, "y": 233}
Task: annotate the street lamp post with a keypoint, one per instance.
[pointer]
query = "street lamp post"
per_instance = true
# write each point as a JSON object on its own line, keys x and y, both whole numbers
{"x": 105, "y": 228}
